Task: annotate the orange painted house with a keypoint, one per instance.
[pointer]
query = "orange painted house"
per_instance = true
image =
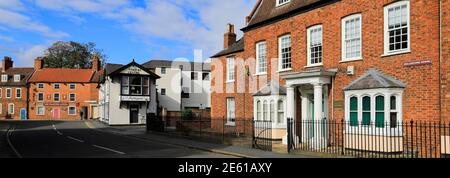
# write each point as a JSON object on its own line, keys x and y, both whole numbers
{"x": 63, "y": 94}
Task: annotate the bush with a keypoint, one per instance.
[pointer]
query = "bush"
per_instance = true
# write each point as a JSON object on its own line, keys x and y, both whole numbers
{"x": 187, "y": 114}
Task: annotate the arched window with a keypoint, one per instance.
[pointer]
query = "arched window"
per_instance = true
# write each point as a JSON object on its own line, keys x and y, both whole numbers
{"x": 379, "y": 111}
{"x": 272, "y": 111}
{"x": 280, "y": 112}
{"x": 265, "y": 110}
{"x": 394, "y": 112}
{"x": 354, "y": 111}
{"x": 366, "y": 119}
{"x": 258, "y": 111}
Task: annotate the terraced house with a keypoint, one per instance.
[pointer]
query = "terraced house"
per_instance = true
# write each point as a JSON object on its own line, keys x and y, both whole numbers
{"x": 370, "y": 63}
{"x": 64, "y": 94}
{"x": 13, "y": 91}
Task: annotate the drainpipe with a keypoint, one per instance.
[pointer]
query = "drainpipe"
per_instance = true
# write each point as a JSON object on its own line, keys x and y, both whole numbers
{"x": 440, "y": 60}
{"x": 332, "y": 98}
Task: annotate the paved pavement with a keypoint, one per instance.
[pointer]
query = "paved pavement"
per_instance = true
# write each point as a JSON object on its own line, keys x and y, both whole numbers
{"x": 47, "y": 139}
{"x": 140, "y": 132}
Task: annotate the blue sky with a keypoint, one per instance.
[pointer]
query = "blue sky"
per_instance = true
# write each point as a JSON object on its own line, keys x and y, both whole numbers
{"x": 124, "y": 29}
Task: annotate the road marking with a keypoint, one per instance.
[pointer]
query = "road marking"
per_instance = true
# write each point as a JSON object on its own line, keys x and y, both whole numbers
{"x": 109, "y": 149}
{"x": 56, "y": 130}
{"x": 89, "y": 125}
{"x": 8, "y": 139}
{"x": 78, "y": 140}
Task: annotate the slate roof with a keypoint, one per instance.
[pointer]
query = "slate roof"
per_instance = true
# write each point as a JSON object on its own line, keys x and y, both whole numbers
{"x": 24, "y": 73}
{"x": 62, "y": 75}
{"x": 373, "y": 79}
{"x": 194, "y": 66}
{"x": 234, "y": 48}
{"x": 266, "y": 10}
{"x": 272, "y": 88}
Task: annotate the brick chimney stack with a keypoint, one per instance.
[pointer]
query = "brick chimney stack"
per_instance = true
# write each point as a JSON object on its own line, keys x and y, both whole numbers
{"x": 7, "y": 63}
{"x": 96, "y": 63}
{"x": 38, "y": 63}
{"x": 230, "y": 36}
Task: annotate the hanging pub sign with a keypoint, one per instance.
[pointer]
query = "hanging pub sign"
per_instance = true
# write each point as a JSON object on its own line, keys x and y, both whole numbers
{"x": 417, "y": 63}
{"x": 135, "y": 98}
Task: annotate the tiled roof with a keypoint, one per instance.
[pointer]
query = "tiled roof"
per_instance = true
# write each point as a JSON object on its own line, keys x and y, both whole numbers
{"x": 272, "y": 88}
{"x": 235, "y": 47}
{"x": 110, "y": 68}
{"x": 62, "y": 75}
{"x": 24, "y": 73}
{"x": 373, "y": 79}
{"x": 194, "y": 66}
{"x": 266, "y": 10}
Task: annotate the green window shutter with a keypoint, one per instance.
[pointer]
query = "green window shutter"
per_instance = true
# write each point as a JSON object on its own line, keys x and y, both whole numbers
{"x": 379, "y": 117}
{"x": 366, "y": 111}
{"x": 353, "y": 111}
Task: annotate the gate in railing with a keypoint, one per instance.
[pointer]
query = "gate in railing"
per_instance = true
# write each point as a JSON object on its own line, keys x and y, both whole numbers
{"x": 262, "y": 138}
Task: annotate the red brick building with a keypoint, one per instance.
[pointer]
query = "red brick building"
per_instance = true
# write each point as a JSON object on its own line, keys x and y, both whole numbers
{"x": 358, "y": 60}
{"x": 13, "y": 90}
{"x": 60, "y": 93}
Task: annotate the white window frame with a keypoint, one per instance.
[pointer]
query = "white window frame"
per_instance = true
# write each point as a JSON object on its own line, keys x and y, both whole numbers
{"x": 310, "y": 29}
{"x": 43, "y": 97}
{"x": 74, "y": 97}
{"x": 8, "y": 90}
{"x": 388, "y": 52}
{"x": 17, "y": 78}
{"x": 57, "y": 84}
{"x": 231, "y": 74}
{"x": 258, "y": 59}
{"x": 259, "y": 112}
{"x": 282, "y": 2}
{"x": 18, "y": 91}
{"x": 373, "y": 93}
{"x": 344, "y": 40}
{"x": 68, "y": 110}
{"x": 231, "y": 112}
{"x": 59, "y": 97}
{"x": 74, "y": 86}
{"x": 39, "y": 86}
{"x": 1, "y": 92}
{"x": 13, "y": 108}
{"x": 43, "y": 110}
{"x": 1, "y": 108}
{"x": 280, "y": 53}
{"x": 165, "y": 70}
{"x": 5, "y": 78}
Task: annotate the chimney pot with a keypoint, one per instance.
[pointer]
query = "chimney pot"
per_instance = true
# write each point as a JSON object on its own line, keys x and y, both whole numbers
{"x": 230, "y": 36}
{"x": 7, "y": 63}
{"x": 38, "y": 63}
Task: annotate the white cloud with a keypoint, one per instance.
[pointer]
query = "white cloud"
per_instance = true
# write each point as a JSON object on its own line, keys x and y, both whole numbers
{"x": 84, "y": 6}
{"x": 6, "y": 38}
{"x": 18, "y": 21}
{"x": 25, "y": 57}
{"x": 199, "y": 22}
{"x": 11, "y": 4}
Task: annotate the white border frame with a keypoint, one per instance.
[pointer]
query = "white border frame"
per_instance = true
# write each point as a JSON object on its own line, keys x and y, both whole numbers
{"x": 278, "y": 4}
{"x": 343, "y": 30}
{"x": 308, "y": 45}
{"x": 20, "y": 91}
{"x": 68, "y": 111}
{"x": 280, "y": 59}
{"x": 257, "y": 58}
{"x": 387, "y": 52}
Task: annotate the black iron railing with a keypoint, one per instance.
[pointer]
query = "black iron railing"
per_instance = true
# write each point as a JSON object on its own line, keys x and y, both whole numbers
{"x": 409, "y": 139}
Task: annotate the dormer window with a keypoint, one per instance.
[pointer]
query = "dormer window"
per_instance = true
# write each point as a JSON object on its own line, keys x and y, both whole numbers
{"x": 282, "y": 2}
{"x": 16, "y": 78}
{"x": 5, "y": 78}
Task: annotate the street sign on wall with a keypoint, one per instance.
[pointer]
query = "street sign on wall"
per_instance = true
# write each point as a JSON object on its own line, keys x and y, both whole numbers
{"x": 135, "y": 98}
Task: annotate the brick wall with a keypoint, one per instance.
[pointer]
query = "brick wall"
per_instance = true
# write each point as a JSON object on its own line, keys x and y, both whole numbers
{"x": 421, "y": 99}
{"x": 19, "y": 103}
{"x": 445, "y": 60}
{"x": 84, "y": 93}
